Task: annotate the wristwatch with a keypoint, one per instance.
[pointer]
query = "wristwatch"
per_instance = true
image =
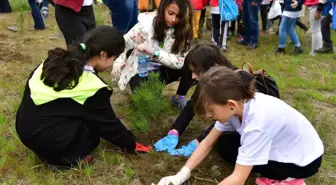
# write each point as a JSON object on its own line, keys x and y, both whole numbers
{"x": 156, "y": 53}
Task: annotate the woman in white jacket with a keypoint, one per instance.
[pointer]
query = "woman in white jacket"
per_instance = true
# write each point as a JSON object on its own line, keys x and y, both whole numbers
{"x": 165, "y": 36}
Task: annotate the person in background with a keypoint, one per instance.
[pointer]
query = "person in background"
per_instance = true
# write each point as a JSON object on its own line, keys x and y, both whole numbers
{"x": 35, "y": 11}
{"x": 124, "y": 14}
{"x": 251, "y": 25}
{"x": 74, "y": 18}
{"x": 252, "y": 133}
{"x": 5, "y": 6}
{"x": 264, "y": 9}
{"x": 328, "y": 11}
{"x": 315, "y": 10}
{"x": 165, "y": 37}
{"x": 292, "y": 11}
{"x": 216, "y": 21}
{"x": 198, "y": 6}
{"x": 66, "y": 108}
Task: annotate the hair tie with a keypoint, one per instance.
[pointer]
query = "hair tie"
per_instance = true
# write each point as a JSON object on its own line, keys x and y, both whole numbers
{"x": 83, "y": 46}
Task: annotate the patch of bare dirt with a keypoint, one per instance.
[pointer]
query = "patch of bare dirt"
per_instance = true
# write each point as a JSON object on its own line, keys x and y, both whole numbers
{"x": 10, "y": 51}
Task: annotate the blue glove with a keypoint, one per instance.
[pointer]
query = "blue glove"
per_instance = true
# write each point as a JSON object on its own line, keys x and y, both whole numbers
{"x": 167, "y": 143}
{"x": 185, "y": 150}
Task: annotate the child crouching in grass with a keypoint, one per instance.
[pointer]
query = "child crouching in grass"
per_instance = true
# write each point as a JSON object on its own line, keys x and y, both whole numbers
{"x": 257, "y": 132}
{"x": 66, "y": 106}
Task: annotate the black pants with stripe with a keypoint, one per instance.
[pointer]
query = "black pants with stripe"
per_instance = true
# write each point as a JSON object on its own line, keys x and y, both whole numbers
{"x": 229, "y": 143}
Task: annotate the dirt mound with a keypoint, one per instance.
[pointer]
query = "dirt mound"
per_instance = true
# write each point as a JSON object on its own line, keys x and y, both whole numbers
{"x": 10, "y": 50}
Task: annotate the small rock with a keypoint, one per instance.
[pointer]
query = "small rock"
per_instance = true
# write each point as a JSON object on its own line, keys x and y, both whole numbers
{"x": 215, "y": 171}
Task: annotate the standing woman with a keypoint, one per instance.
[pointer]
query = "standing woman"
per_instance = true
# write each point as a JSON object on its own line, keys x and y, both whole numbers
{"x": 124, "y": 14}
{"x": 74, "y": 18}
{"x": 66, "y": 106}
{"x": 165, "y": 36}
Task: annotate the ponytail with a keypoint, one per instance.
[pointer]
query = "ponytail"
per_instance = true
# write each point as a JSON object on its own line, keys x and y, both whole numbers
{"x": 63, "y": 68}
{"x": 247, "y": 84}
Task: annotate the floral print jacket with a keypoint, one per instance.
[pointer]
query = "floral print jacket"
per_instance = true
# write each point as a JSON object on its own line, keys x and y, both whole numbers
{"x": 143, "y": 32}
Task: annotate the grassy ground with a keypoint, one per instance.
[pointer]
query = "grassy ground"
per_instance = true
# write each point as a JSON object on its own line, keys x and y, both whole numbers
{"x": 307, "y": 83}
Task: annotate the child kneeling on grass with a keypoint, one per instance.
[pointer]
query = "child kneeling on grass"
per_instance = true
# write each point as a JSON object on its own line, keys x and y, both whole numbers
{"x": 257, "y": 132}
{"x": 66, "y": 106}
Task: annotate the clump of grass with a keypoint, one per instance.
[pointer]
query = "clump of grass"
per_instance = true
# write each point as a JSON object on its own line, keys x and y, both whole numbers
{"x": 148, "y": 106}
{"x": 19, "y": 5}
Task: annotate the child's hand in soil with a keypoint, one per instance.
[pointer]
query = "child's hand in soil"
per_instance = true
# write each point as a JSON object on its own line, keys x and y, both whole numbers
{"x": 167, "y": 143}
{"x": 185, "y": 150}
{"x": 177, "y": 179}
{"x": 141, "y": 149}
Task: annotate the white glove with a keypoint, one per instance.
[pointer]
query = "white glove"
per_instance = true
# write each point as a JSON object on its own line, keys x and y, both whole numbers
{"x": 116, "y": 71}
{"x": 177, "y": 179}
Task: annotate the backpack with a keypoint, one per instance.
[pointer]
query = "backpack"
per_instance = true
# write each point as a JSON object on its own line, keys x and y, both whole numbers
{"x": 228, "y": 10}
{"x": 263, "y": 82}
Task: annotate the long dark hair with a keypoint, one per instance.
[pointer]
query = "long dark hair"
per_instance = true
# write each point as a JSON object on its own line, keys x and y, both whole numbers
{"x": 63, "y": 68}
{"x": 183, "y": 30}
{"x": 218, "y": 85}
{"x": 204, "y": 56}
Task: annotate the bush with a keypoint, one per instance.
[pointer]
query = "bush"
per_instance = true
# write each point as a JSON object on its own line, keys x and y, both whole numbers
{"x": 149, "y": 107}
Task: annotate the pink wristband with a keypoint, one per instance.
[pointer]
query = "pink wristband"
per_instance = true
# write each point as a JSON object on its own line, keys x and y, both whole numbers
{"x": 173, "y": 132}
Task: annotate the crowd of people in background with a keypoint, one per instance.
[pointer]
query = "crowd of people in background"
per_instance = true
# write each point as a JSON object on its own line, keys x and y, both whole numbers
{"x": 66, "y": 106}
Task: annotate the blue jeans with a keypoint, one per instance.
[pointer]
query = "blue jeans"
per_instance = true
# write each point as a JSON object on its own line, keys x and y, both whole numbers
{"x": 124, "y": 13}
{"x": 250, "y": 21}
{"x": 287, "y": 26}
{"x": 35, "y": 11}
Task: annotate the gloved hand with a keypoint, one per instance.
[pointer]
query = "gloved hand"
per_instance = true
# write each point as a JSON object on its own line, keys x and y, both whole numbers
{"x": 116, "y": 71}
{"x": 167, "y": 143}
{"x": 141, "y": 149}
{"x": 185, "y": 150}
{"x": 178, "y": 179}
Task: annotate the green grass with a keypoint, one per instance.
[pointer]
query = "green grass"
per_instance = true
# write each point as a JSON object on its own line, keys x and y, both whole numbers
{"x": 305, "y": 82}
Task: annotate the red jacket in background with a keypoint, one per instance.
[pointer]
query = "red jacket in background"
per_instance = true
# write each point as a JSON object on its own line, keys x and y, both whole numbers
{"x": 214, "y": 3}
{"x": 311, "y": 2}
{"x": 76, "y": 5}
{"x": 198, "y": 4}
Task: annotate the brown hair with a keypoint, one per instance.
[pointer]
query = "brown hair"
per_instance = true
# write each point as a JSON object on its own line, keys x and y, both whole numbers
{"x": 183, "y": 32}
{"x": 204, "y": 56}
{"x": 219, "y": 85}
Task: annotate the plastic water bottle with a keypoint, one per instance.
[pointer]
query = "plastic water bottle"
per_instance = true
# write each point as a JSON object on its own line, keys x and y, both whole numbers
{"x": 143, "y": 65}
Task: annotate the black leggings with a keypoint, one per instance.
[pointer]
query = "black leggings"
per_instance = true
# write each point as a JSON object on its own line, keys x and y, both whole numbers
{"x": 73, "y": 24}
{"x": 229, "y": 143}
{"x": 264, "y": 9}
{"x": 168, "y": 76}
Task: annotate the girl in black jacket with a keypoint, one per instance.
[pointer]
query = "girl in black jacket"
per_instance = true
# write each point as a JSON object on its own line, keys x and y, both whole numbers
{"x": 66, "y": 107}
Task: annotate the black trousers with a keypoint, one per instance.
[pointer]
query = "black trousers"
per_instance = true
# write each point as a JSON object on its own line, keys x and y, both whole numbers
{"x": 83, "y": 143}
{"x": 73, "y": 24}
{"x": 325, "y": 28}
{"x": 264, "y": 9}
{"x": 229, "y": 143}
{"x": 215, "y": 27}
{"x": 5, "y": 6}
{"x": 168, "y": 76}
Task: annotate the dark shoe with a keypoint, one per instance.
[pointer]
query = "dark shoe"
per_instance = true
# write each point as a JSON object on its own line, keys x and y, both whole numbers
{"x": 242, "y": 42}
{"x": 298, "y": 50}
{"x": 280, "y": 51}
{"x": 251, "y": 46}
{"x": 324, "y": 50}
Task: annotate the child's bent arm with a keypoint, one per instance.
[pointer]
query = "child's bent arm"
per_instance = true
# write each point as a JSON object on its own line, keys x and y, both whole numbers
{"x": 239, "y": 175}
{"x": 203, "y": 149}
